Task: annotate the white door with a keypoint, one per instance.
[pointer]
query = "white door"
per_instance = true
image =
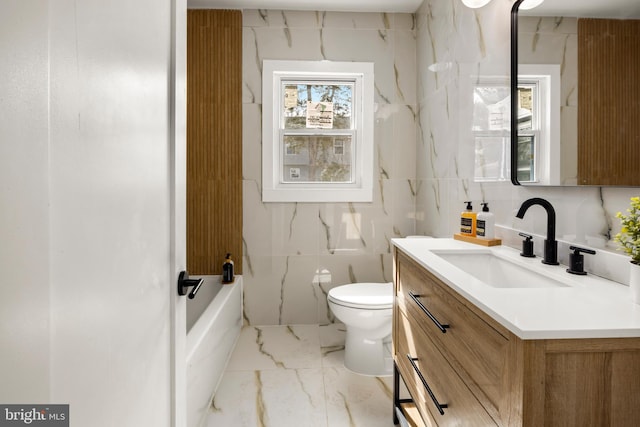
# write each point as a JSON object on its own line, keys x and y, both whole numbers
{"x": 115, "y": 211}
{"x": 92, "y": 208}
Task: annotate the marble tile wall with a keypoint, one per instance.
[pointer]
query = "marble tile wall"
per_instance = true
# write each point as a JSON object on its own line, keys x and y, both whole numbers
{"x": 458, "y": 42}
{"x": 295, "y": 252}
{"x": 424, "y": 66}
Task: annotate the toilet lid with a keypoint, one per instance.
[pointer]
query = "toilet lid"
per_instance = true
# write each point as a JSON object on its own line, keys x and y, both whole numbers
{"x": 363, "y": 295}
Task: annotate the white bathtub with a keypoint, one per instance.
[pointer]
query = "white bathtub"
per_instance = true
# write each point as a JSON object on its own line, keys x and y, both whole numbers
{"x": 210, "y": 342}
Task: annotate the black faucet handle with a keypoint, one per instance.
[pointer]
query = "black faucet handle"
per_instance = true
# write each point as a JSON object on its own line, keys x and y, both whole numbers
{"x": 576, "y": 260}
{"x": 578, "y": 249}
{"x": 527, "y": 246}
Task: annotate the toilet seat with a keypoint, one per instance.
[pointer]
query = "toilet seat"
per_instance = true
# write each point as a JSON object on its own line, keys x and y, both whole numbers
{"x": 368, "y": 296}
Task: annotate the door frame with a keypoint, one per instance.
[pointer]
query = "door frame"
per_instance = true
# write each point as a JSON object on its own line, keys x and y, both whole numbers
{"x": 178, "y": 228}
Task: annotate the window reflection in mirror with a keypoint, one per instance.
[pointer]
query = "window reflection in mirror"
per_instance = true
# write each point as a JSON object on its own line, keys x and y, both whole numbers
{"x": 528, "y": 130}
{"x": 491, "y": 121}
{"x": 538, "y": 123}
{"x": 596, "y": 90}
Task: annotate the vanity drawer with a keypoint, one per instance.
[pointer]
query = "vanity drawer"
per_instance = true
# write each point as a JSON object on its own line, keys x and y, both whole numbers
{"x": 465, "y": 336}
{"x": 418, "y": 359}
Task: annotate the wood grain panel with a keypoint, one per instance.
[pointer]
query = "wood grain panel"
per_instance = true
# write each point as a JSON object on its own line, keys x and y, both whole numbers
{"x": 592, "y": 389}
{"x": 532, "y": 369}
{"x": 446, "y": 385}
{"x": 608, "y": 102}
{"x": 477, "y": 346}
{"x": 543, "y": 383}
{"x": 625, "y": 388}
{"x": 214, "y": 140}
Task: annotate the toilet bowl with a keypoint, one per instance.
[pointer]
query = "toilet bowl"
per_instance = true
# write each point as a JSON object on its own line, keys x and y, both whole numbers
{"x": 366, "y": 311}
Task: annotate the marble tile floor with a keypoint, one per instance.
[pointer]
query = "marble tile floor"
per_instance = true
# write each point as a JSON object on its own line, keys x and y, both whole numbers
{"x": 286, "y": 376}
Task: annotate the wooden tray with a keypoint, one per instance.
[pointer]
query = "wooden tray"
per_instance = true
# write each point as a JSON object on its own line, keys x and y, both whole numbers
{"x": 477, "y": 241}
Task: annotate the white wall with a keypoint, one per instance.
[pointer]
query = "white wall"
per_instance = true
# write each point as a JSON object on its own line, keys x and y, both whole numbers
{"x": 24, "y": 222}
{"x": 86, "y": 208}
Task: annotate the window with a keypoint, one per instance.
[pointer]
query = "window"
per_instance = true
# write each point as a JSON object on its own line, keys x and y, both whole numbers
{"x": 317, "y": 131}
{"x": 538, "y": 156}
{"x": 528, "y": 130}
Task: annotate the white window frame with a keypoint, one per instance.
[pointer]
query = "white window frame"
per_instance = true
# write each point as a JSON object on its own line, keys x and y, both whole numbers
{"x": 545, "y": 79}
{"x": 274, "y": 73}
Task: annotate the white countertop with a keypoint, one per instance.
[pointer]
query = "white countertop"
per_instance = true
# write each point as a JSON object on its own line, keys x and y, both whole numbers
{"x": 589, "y": 307}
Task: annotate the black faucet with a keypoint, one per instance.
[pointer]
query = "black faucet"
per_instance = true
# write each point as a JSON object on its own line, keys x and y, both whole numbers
{"x": 550, "y": 244}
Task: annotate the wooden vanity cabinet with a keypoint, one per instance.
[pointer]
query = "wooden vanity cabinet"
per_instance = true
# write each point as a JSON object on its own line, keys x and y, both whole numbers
{"x": 451, "y": 353}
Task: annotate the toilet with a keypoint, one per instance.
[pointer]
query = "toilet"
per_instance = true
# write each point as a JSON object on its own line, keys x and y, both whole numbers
{"x": 366, "y": 311}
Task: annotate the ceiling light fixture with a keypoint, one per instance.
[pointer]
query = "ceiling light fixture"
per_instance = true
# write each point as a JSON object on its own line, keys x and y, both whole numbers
{"x": 474, "y": 4}
{"x": 525, "y": 5}
{"x": 530, "y": 4}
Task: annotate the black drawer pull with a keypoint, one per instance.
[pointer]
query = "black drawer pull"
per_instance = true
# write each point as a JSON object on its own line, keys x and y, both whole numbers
{"x": 440, "y": 326}
{"x": 440, "y": 406}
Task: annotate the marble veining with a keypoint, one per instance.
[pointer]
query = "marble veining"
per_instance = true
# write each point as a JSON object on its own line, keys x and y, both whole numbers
{"x": 565, "y": 44}
{"x": 260, "y": 343}
{"x": 381, "y": 184}
{"x": 285, "y": 28}
{"x": 481, "y": 44}
{"x": 412, "y": 190}
{"x": 325, "y": 309}
{"x": 247, "y": 257}
{"x": 263, "y": 15}
{"x": 385, "y": 20}
{"x": 447, "y": 33}
{"x": 310, "y": 382}
{"x": 261, "y": 410}
{"x": 355, "y": 223}
{"x": 282, "y": 293}
{"x": 379, "y": 92}
{"x": 423, "y": 65}
{"x": 322, "y": 52}
{"x": 608, "y": 216}
{"x": 413, "y": 112}
{"x": 257, "y": 50}
{"x": 327, "y": 231}
{"x": 293, "y": 217}
{"x": 398, "y": 88}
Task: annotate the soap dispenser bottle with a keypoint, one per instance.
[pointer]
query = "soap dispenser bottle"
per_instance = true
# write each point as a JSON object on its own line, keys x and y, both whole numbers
{"x": 485, "y": 228}
{"x": 227, "y": 270}
{"x": 468, "y": 221}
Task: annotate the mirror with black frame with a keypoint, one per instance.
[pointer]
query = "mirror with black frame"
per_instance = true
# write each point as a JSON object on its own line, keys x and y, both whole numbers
{"x": 575, "y": 91}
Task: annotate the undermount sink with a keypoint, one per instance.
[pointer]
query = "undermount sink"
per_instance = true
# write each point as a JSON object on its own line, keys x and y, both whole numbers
{"x": 496, "y": 271}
